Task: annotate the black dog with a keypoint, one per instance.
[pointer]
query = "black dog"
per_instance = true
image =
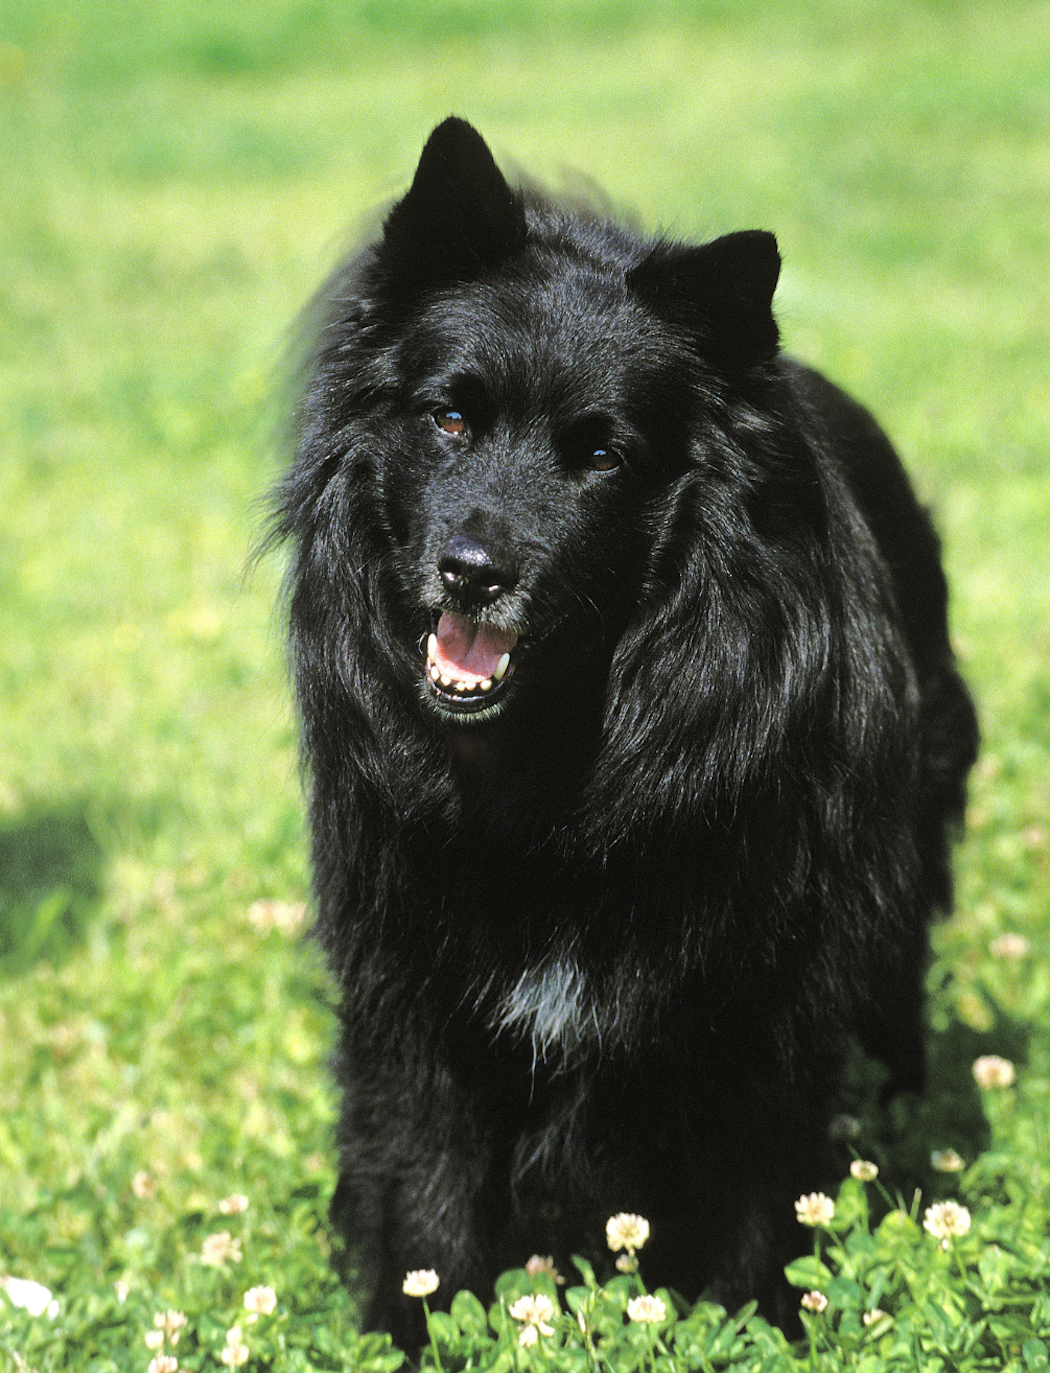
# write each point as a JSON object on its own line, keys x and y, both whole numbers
{"x": 634, "y": 735}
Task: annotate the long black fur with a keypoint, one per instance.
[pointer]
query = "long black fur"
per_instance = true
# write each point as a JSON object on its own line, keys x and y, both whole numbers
{"x": 603, "y": 946}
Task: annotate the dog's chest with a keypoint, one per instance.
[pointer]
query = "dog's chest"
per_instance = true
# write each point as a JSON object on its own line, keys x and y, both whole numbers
{"x": 549, "y": 1006}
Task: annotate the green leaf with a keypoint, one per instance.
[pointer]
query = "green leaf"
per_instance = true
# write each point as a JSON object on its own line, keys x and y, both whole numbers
{"x": 898, "y": 1226}
{"x": 1041, "y": 1312}
{"x": 845, "y": 1294}
{"x": 502, "y": 1363}
{"x": 619, "y": 1291}
{"x": 621, "y": 1358}
{"x": 808, "y": 1272}
{"x": 469, "y": 1314}
{"x": 573, "y": 1359}
{"x": 512, "y": 1284}
{"x": 443, "y": 1328}
{"x": 721, "y": 1342}
{"x": 382, "y": 1363}
{"x": 706, "y": 1314}
{"x": 1034, "y": 1353}
{"x": 851, "y": 1204}
{"x": 575, "y": 1297}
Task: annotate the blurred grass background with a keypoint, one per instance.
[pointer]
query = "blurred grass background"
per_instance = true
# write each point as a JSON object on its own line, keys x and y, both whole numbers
{"x": 176, "y": 180}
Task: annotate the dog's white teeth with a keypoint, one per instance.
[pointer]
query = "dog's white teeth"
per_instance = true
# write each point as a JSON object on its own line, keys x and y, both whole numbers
{"x": 462, "y": 685}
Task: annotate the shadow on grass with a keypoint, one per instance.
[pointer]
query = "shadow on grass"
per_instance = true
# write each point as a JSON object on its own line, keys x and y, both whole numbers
{"x": 904, "y": 1133}
{"x": 50, "y": 885}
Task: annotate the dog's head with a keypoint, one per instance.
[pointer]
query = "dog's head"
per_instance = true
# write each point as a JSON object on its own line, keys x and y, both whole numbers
{"x": 511, "y": 395}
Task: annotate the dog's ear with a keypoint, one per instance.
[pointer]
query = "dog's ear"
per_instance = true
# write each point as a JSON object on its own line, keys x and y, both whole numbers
{"x": 722, "y": 292}
{"x": 459, "y": 216}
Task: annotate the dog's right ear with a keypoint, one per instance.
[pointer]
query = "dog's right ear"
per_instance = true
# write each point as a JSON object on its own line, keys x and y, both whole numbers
{"x": 459, "y": 217}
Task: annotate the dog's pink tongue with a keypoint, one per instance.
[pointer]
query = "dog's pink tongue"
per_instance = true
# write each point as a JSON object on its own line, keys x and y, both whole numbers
{"x": 468, "y": 649}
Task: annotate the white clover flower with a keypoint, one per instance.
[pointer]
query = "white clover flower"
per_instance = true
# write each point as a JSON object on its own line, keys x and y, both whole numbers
{"x": 236, "y": 1351}
{"x": 260, "y": 1301}
{"x": 946, "y": 1219}
{"x": 647, "y": 1310}
{"x": 220, "y": 1249}
{"x": 420, "y": 1282}
{"x": 875, "y": 1314}
{"x": 154, "y": 1339}
{"x": 235, "y": 1205}
{"x": 864, "y": 1171}
{"x": 992, "y": 1071}
{"x": 626, "y": 1263}
{"x": 170, "y": 1323}
{"x": 1011, "y": 946}
{"x": 814, "y": 1301}
{"x": 544, "y": 1264}
{"x": 164, "y": 1363}
{"x": 286, "y": 916}
{"x": 947, "y": 1161}
{"x": 31, "y": 1296}
{"x": 122, "y": 1289}
{"x": 814, "y": 1209}
{"x": 626, "y": 1231}
{"x": 528, "y": 1337}
{"x": 535, "y": 1309}
{"x": 144, "y": 1185}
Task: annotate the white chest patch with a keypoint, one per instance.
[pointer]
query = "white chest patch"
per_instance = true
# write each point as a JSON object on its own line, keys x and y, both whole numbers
{"x": 548, "y": 1005}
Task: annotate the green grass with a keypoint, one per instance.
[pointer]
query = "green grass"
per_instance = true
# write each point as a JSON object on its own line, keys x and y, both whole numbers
{"x": 176, "y": 181}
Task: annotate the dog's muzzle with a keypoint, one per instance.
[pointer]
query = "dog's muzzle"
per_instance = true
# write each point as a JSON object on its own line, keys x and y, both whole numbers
{"x": 469, "y": 664}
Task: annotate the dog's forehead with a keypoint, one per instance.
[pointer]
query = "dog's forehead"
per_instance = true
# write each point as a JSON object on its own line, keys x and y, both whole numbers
{"x": 569, "y": 326}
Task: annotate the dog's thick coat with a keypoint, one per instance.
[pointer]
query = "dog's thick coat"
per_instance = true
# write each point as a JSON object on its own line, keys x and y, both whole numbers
{"x": 633, "y": 731}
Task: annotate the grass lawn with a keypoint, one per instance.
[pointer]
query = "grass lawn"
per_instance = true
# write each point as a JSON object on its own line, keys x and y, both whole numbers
{"x": 176, "y": 181}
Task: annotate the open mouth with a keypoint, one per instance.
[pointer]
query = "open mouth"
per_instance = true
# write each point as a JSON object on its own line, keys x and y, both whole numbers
{"x": 470, "y": 663}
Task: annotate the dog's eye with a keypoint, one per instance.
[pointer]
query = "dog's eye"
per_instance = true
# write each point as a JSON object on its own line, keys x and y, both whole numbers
{"x": 603, "y": 460}
{"x": 450, "y": 422}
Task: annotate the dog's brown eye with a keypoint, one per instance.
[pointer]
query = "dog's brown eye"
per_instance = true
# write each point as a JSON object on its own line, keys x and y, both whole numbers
{"x": 450, "y": 422}
{"x": 603, "y": 460}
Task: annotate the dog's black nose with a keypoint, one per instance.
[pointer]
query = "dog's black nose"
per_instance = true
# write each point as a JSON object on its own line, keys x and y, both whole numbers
{"x": 474, "y": 572}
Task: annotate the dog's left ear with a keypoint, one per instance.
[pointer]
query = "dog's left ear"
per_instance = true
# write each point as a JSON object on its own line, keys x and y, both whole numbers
{"x": 459, "y": 216}
{"x": 722, "y": 292}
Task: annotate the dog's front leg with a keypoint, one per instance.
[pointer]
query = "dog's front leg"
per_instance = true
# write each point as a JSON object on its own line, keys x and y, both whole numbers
{"x": 415, "y": 1188}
